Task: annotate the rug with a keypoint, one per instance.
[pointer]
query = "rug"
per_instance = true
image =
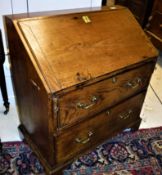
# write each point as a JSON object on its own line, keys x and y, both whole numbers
{"x": 130, "y": 153}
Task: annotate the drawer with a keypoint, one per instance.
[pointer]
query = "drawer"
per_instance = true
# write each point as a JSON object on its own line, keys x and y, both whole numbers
{"x": 92, "y": 99}
{"x": 95, "y": 130}
{"x": 156, "y": 24}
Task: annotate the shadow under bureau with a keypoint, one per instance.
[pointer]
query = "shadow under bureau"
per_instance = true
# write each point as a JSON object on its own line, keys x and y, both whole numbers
{"x": 79, "y": 79}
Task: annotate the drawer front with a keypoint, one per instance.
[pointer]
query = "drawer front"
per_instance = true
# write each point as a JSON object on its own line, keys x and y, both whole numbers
{"x": 156, "y": 24}
{"x": 91, "y": 99}
{"x": 97, "y": 129}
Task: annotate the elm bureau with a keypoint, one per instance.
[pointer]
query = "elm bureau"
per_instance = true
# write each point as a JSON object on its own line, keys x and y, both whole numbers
{"x": 79, "y": 78}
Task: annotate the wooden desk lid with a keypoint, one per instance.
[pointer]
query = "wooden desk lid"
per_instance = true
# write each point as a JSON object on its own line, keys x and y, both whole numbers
{"x": 73, "y": 48}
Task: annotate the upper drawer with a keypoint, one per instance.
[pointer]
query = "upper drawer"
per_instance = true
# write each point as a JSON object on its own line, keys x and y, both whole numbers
{"x": 92, "y": 99}
{"x": 97, "y": 129}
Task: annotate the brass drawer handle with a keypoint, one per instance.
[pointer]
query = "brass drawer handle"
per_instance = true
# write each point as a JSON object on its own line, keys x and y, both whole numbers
{"x": 126, "y": 115}
{"x": 108, "y": 112}
{"x": 135, "y": 83}
{"x": 150, "y": 18}
{"x": 84, "y": 140}
{"x": 114, "y": 79}
{"x": 35, "y": 84}
{"x": 94, "y": 100}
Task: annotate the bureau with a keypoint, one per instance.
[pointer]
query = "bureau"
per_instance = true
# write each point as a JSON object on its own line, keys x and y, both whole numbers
{"x": 79, "y": 79}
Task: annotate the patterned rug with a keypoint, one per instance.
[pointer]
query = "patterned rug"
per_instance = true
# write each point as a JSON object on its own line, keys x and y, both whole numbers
{"x": 130, "y": 153}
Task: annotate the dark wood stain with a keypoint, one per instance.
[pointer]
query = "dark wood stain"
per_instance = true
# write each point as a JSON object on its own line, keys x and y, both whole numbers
{"x": 154, "y": 26}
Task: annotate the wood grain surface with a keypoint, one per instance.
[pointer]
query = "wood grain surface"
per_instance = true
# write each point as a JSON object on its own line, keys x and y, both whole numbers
{"x": 107, "y": 93}
{"x": 96, "y": 129}
{"x": 69, "y": 51}
{"x": 79, "y": 78}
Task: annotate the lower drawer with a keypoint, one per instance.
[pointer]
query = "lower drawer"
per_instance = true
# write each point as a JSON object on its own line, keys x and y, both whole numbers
{"x": 97, "y": 129}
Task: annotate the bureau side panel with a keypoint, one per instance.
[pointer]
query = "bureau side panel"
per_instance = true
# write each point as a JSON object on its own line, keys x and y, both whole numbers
{"x": 34, "y": 103}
